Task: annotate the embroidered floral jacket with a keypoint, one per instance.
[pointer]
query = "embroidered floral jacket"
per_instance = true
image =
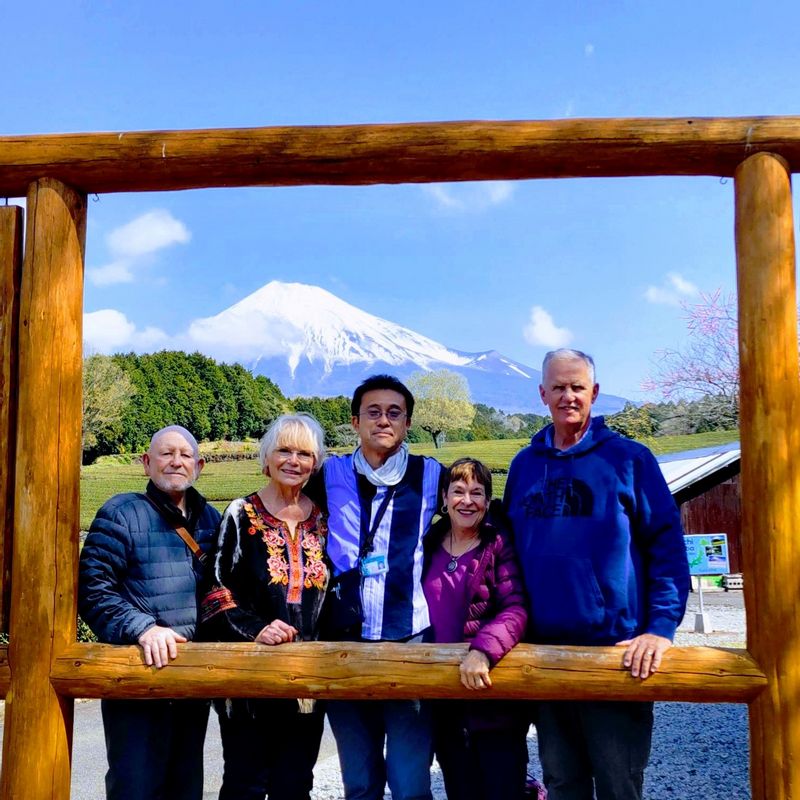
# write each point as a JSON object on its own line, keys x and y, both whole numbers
{"x": 261, "y": 573}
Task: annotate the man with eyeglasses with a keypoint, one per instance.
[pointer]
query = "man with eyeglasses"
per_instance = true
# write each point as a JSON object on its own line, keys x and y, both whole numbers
{"x": 380, "y": 501}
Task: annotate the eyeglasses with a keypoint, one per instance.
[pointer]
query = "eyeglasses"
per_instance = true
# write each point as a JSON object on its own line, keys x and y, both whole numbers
{"x": 393, "y": 414}
{"x": 303, "y": 456}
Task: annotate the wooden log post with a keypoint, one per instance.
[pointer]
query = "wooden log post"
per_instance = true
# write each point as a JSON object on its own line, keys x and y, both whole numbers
{"x": 38, "y": 723}
{"x": 11, "y": 218}
{"x": 770, "y": 436}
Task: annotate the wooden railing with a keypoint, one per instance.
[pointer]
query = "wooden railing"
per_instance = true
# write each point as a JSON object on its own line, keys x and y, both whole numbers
{"x": 397, "y": 671}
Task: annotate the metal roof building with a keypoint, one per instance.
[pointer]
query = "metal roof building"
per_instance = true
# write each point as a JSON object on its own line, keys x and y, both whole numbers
{"x": 705, "y": 485}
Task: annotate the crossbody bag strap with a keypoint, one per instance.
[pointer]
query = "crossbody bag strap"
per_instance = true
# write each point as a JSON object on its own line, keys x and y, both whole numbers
{"x": 191, "y": 544}
{"x": 187, "y": 537}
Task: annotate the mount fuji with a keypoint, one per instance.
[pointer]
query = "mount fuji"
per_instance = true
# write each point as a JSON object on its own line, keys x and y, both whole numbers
{"x": 311, "y": 342}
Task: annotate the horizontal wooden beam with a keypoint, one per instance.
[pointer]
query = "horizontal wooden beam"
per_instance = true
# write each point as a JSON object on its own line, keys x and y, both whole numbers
{"x": 393, "y": 153}
{"x": 379, "y": 671}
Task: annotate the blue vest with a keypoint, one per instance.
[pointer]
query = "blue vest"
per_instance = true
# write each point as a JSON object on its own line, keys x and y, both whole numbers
{"x": 394, "y": 604}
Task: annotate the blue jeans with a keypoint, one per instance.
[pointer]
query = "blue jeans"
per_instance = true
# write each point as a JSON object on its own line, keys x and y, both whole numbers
{"x": 594, "y": 746}
{"x": 360, "y": 728}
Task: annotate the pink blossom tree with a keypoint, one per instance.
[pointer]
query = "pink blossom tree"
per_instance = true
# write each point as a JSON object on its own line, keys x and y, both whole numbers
{"x": 708, "y": 364}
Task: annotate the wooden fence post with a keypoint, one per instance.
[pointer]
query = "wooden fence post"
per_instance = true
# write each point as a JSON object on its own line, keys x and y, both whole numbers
{"x": 10, "y": 270}
{"x": 38, "y": 725}
{"x": 770, "y": 436}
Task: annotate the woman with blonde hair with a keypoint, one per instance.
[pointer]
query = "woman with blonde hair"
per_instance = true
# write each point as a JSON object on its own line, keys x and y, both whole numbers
{"x": 270, "y": 577}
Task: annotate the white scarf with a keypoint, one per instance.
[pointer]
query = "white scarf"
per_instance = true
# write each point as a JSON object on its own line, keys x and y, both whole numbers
{"x": 388, "y": 474}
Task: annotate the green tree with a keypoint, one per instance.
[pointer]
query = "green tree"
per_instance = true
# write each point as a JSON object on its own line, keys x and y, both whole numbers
{"x": 443, "y": 402}
{"x": 214, "y": 401}
{"x": 635, "y": 422}
{"x": 490, "y": 423}
{"x": 333, "y": 413}
{"x": 222, "y": 405}
{"x": 171, "y": 392}
{"x": 256, "y": 402}
{"x": 271, "y": 401}
{"x": 107, "y": 392}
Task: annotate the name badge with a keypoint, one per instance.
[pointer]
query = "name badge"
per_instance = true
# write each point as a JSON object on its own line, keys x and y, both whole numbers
{"x": 373, "y": 566}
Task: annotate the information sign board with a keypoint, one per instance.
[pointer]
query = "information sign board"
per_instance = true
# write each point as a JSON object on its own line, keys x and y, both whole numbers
{"x": 707, "y": 553}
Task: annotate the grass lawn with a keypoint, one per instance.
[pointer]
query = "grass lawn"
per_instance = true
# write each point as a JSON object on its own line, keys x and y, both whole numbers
{"x": 223, "y": 481}
{"x": 693, "y": 441}
{"x": 220, "y": 483}
{"x": 496, "y": 454}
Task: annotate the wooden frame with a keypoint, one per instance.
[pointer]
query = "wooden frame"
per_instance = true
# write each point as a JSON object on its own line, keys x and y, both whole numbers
{"x": 57, "y": 172}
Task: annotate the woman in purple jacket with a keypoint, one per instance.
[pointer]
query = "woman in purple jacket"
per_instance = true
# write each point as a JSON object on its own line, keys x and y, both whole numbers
{"x": 475, "y": 594}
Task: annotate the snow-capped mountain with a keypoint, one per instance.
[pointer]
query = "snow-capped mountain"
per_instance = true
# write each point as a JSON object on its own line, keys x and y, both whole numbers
{"x": 311, "y": 342}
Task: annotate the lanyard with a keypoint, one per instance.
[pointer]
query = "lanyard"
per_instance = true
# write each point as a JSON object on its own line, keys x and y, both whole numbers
{"x": 368, "y": 531}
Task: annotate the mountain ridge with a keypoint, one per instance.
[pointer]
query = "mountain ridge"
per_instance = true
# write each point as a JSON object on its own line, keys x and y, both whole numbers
{"x": 311, "y": 342}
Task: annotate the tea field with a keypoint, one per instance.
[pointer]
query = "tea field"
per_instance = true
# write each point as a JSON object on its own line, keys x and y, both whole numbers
{"x": 222, "y": 481}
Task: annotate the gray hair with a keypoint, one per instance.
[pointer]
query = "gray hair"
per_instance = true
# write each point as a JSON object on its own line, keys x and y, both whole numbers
{"x": 190, "y": 440}
{"x": 300, "y": 431}
{"x": 569, "y": 354}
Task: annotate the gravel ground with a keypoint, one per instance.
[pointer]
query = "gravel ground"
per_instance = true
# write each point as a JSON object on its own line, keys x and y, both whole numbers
{"x": 703, "y": 750}
{"x": 698, "y": 750}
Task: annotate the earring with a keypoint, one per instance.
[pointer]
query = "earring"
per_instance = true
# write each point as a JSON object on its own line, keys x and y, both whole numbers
{"x": 444, "y": 509}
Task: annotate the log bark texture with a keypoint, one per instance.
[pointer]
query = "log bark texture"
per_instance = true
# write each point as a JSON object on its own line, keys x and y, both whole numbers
{"x": 5, "y": 672}
{"x": 395, "y": 671}
{"x": 11, "y": 220}
{"x": 38, "y": 722}
{"x": 770, "y": 437}
{"x": 393, "y": 153}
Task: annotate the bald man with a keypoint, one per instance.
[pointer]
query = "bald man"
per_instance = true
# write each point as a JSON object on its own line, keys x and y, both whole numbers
{"x": 139, "y": 583}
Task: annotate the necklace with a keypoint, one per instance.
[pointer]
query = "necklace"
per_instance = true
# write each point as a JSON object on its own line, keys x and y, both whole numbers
{"x": 452, "y": 564}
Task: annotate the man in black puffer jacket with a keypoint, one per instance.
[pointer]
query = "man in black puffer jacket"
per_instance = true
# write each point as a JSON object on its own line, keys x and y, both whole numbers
{"x": 139, "y": 582}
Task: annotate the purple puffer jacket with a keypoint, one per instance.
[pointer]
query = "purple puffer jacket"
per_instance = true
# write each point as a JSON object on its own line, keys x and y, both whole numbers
{"x": 497, "y": 611}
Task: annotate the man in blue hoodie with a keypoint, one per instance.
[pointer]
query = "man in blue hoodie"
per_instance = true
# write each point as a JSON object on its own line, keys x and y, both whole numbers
{"x": 600, "y": 542}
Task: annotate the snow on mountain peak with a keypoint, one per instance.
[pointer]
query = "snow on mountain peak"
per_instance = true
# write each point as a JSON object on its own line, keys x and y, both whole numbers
{"x": 298, "y": 321}
{"x": 311, "y": 342}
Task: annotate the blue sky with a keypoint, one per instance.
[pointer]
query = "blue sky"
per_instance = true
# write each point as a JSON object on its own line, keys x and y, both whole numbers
{"x": 517, "y": 267}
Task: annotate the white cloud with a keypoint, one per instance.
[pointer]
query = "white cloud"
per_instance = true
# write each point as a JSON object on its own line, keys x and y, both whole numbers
{"x": 149, "y": 338}
{"x": 470, "y": 196}
{"x": 243, "y": 335}
{"x": 681, "y": 285}
{"x": 588, "y": 50}
{"x": 109, "y": 331}
{"x": 542, "y": 330}
{"x": 132, "y": 245}
{"x": 673, "y": 290}
{"x": 115, "y": 272}
{"x": 150, "y": 232}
